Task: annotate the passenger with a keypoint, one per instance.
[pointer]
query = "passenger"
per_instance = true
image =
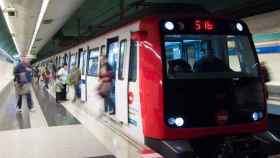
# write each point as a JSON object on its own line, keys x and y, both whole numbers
{"x": 61, "y": 80}
{"x": 23, "y": 83}
{"x": 53, "y": 72}
{"x": 41, "y": 79}
{"x": 105, "y": 87}
{"x": 179, "y": 66}
{"x": 265, "y": 77}
{"x": 36, "y": 75}
{"x": 46, "y": 77}
{"x": 58, "y": 88}
{"x": 210, "y": 63}
{"x": 75, "y": 77}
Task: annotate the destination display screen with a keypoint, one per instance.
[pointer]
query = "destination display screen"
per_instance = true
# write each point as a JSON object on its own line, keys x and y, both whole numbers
{"x": 203, "y": 26}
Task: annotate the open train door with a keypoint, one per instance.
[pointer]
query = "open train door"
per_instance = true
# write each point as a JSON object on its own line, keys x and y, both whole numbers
{"x": 122, "y": 83}
{"x": 82, "y": 66}
{"x": 118, "y": 59}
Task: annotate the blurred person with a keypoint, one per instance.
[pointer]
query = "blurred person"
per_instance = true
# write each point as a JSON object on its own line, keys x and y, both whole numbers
{"x": 46, "y": 77}
{"x": 36, "y": 75}
{"x": 105, "y": 87}
{"x": 209, "y": 62}
{"x": 62, "y": 80}
{"x": 265, "y": 75}
{"x": 23, "y": 83}
{"x": 75, "y": 78}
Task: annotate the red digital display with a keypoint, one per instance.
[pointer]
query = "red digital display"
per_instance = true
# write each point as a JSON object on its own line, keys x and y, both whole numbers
{"x": 204, "y": 25}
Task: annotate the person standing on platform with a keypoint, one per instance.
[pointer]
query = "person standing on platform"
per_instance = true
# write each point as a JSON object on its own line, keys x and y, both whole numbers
{"x": 23, "y": 83}
{"x": 62, "y": 79}
{"x": 105, "y": 87}
{"x": 75, "y": 78}
{"x": 265, "y": 77}
{"x": 46, "y": 77}
{"x": 36, "y": 75}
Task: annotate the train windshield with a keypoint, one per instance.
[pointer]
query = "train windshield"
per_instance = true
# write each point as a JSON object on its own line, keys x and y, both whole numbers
{"x": 209, "y": 56}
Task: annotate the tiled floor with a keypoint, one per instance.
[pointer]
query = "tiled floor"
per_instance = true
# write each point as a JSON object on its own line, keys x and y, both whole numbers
{"x": 9, "y": 118}
{"x": 49, "y": 132}
{"x": 116, "y": 142}
{"x": 55, "y": 114}
{"x": 112, "y": 140}
{"x": 72, "y": 141}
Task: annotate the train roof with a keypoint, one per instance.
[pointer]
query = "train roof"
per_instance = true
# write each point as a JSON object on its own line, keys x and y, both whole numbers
{"x": 149, "y": 9}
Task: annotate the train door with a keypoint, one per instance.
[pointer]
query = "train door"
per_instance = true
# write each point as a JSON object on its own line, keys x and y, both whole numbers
{"x": 122, "y": 83}
{"x": 118, "y": 59}
{"x": 112, "y": 55}
{"x": 133, "y": 88}
{"x": 83, "y": 66}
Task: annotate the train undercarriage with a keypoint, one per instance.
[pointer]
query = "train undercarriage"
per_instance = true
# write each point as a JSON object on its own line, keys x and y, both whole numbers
{"x": 246, "y": 146}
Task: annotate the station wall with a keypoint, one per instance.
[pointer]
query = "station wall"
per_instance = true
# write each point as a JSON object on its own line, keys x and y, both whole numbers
{"x": 273, "y": 64}
{"x": 6, "y": 74}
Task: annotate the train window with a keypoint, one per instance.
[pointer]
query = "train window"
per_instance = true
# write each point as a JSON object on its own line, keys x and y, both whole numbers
{"x": 93, "y": 62}
{"x": 234, "y": 56}
{"x": 173, "y": 50}
{"x": 61, "y": 61}
{"x": 123, "y": 46}
{"x": 132, "y": 74}
{"x": 209, "y": 56}
{"x": 103, "y": 50}
{"x": 81, "y": 62}
{"x": 72, "y": 61}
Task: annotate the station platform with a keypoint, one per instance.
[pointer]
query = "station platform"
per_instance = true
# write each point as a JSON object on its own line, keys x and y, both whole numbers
{"x": 59, "y": 130}
{"x": 68, "y": 130}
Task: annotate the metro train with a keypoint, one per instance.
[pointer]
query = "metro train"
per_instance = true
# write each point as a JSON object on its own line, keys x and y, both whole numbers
{"x": 186, "y": 85}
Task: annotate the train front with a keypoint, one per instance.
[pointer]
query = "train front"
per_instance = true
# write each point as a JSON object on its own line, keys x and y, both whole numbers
{"x": 213, "y": 94}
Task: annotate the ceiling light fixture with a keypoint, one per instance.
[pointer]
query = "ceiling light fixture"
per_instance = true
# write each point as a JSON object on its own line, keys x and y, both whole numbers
{"x": 39, "y": 22}
{"x": 38, "y": 39}
{"x": 47, "y": 21}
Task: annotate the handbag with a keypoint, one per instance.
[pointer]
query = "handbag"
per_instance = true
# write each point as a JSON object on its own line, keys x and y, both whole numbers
{"x": 104, "y": 89}
{"x": 58, "y": 87}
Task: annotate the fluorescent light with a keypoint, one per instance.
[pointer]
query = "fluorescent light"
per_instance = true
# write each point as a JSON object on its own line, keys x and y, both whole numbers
{"x": 39, "y": 21}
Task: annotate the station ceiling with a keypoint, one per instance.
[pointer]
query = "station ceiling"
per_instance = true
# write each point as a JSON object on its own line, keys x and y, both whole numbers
{"x": 96, "y": 15}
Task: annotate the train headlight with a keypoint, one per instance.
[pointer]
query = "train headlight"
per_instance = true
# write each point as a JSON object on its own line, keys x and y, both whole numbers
{"x": 255, "y": 116}
{"x": 260, "y": 115}
{"x": 169, "y": 25}
{"x": 179, "y": 121}
{"x": 171, "y": 121}
{"x": 239, "y": 27}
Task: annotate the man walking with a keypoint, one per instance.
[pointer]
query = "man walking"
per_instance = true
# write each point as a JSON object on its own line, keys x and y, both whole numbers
{"x": 62, "y": 79}
{"x": 23, "y": 81}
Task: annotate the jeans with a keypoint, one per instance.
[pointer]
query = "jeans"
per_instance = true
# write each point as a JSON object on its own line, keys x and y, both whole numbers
{"x": 77, "y": 92}
{"x": 28, "y": 98}
{"x": 109, "y": 104}
{"x": 46, "y": 84}
{"x": 64, "y": 93}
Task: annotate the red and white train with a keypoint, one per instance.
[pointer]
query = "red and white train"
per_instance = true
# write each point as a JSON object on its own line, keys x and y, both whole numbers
{"x": 186, "y": 85}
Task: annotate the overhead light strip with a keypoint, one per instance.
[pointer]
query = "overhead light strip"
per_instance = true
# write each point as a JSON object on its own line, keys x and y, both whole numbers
{"x": 39, "y": 21}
